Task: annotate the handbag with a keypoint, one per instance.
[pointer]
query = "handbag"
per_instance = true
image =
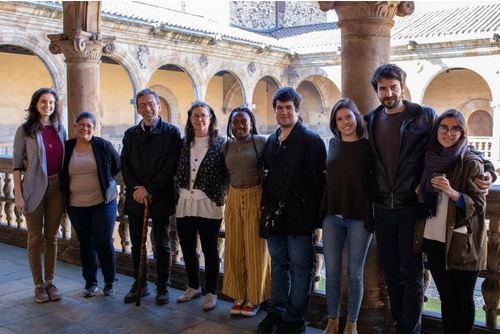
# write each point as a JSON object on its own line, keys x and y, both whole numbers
{"x": 272, "y": 218}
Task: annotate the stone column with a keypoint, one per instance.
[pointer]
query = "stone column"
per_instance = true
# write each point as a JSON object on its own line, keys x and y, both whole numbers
{"x": 365, "y": 32}
{"x": 82, "y": 54}
{"x": 366, "y": 35}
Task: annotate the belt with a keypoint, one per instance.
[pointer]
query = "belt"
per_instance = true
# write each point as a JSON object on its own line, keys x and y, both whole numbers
{"x": 245, "y": 186}
{"x": 53, "y": 177}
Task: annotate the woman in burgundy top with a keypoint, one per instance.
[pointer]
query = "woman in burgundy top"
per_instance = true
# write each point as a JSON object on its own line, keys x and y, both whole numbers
{"x": 38, "y": 154}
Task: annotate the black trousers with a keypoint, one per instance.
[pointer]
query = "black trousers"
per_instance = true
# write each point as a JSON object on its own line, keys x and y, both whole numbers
{"x": 161, "y": 243}
{"x": 456, "y": 290}
{"x": 188, "y": 228}
{"x": 403, "y": 269}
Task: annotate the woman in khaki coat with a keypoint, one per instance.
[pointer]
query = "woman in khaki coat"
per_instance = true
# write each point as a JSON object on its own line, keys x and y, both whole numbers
{"x": 454, "y": 237}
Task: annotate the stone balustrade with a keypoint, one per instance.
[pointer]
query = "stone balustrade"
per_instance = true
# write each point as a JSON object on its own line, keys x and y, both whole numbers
{"x": 12, "y": 231}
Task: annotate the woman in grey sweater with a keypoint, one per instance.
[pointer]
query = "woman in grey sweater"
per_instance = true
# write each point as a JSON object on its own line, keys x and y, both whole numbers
{"x": 38, "y": 155}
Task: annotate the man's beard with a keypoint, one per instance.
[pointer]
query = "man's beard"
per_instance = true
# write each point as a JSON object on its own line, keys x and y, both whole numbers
{"x": 392, "y": 102}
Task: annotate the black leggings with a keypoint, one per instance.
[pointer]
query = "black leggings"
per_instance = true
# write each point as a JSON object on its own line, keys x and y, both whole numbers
{"x": 456, "y": 290}
{"x": 188, "y": 228}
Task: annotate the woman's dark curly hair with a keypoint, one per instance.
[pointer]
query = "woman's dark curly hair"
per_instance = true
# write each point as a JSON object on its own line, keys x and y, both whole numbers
{"x": 212, "y": 128}
{"x": 253, "y": 129}
{"x": 32, "y": 124}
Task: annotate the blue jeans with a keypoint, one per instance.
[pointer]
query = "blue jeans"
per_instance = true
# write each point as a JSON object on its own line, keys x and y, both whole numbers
{"x": 291, "y": 275}
{"x": 403, "y": 269}
{"x": 94, "y": 227}
{"x": 337, "y": 231}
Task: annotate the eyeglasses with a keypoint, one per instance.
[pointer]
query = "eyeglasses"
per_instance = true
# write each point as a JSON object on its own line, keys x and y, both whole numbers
{"x": 454, "y": 130}
{"x": 84, "y": 126}
{"x": 200, "y": 116}
{"x": 150, "y": 105}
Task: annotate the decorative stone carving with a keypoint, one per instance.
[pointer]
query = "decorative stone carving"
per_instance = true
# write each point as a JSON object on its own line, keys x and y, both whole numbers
{"x": 377, "y": 9}
{"x": 203, "y": 61}
{"x": 291, "y": 75}
{"x": 84, "y": 46}
{"x": 251, "y": 68}
{"x": 143, "y": 56}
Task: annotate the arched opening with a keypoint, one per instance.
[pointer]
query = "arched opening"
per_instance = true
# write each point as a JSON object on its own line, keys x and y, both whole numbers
{"x": 164, "y": 110}
{"x": 117, "y": 104}
{"x": 22, "y": 72}
{"x": 224, "y": 93}
{"x": 453, "y": 88}
{"x": 480, "y": 124}
{"x": 175, "y": 87}
{"x": 262, "y": 103}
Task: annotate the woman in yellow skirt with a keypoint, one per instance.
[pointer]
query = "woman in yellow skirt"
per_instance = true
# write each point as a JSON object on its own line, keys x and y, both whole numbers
{"x": 246, "y": 259}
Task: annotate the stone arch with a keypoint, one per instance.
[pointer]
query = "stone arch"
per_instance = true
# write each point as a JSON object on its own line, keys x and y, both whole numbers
{"x": 170, "y": 98}
{"x": 188, "y": 66}
{"x": 453, "y": 87}
{"x": 480, "y": 124}
{"x": 309, "y": 72}
{"x": 262, "y": 103}
{"x": 180, "y": 84}
{"x": 123, "y": 56}
{"x": 319, "y": 95}
{"x": 40, "y": 47}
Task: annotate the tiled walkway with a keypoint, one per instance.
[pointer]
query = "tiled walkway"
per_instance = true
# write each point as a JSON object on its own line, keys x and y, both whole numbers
{"x": 77, "y": 315}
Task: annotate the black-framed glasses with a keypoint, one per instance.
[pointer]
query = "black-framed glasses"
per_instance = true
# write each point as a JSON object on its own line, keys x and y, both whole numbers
{"x": 454, "y": 130}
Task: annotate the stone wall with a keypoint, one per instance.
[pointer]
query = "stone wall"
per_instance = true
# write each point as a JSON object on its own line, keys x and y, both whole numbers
{"x": 299, "y": 13}
{"x": 257, "y": 15}
{"x": 268, "y": 15}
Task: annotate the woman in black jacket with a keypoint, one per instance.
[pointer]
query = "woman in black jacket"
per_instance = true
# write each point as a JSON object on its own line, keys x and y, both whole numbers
{"x": 88, "y": 181}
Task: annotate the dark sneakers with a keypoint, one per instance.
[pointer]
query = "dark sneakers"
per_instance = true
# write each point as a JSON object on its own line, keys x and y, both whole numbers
{"x": 292, "y": 327}
{"x": 162, "y": 296}
{"x": 270, "y": 323}
{"x": 131, "y": 296}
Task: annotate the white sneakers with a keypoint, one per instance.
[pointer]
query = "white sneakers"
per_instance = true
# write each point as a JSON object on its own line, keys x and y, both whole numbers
{"x": 210, "y": 302}
{"x": 210, "y": 299}
{"x": 189, "y": 294}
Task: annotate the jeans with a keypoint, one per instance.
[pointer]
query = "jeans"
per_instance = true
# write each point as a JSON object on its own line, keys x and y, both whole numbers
{"x": 43, "y": 224}
{"x": 94, "y": 226}
{"x": 403, "y": 269}
{"x": 336, "y": 232}
{"x": 456, "y": 290}
{"x": 291, "y": 275}
{"x": 161, "y": 243}
{"x": 188, "y": 228}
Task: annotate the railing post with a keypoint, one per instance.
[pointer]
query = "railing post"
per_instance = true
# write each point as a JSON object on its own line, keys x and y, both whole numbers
{"x": 491, "y": 284}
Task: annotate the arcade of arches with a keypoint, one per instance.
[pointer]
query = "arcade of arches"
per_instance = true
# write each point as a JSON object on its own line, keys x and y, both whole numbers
{"x": 241, "y": 75}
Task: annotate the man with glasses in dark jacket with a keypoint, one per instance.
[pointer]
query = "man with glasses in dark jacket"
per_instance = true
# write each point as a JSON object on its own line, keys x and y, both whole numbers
{"x": 149, "y": 160}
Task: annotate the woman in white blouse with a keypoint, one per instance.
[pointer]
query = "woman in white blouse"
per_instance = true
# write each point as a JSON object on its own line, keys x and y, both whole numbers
{"x": 200, "y": 183}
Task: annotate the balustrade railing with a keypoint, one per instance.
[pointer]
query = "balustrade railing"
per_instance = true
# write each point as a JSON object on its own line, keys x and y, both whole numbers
{"x": 490, "y": 287}
{"x": 482, "y": 144}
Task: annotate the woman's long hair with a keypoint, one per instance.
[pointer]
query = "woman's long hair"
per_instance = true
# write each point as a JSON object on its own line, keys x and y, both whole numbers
{"x": 212, "y": 128}
{"x": 32, "y": 124}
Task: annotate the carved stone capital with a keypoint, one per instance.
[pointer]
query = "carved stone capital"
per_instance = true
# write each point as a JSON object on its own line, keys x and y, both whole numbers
{"x": 353, "y": 10}
{"x": 81, "y": 46}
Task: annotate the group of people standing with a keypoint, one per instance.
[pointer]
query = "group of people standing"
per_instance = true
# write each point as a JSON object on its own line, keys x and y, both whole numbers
{"x": 399, "y": 171}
